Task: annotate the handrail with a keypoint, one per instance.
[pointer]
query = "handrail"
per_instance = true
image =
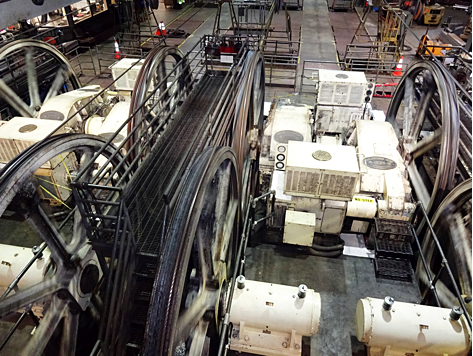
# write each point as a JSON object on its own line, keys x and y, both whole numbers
{"x": 162, "y": 116}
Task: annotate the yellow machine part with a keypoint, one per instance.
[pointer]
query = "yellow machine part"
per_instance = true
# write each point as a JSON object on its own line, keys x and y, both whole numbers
{"x": 435, "y": 47}
{"x": 433, "y": 14}
{"x": 391, "y": 25}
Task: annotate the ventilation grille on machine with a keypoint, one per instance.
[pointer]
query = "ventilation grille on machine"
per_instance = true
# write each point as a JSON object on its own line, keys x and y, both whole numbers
{"x": 356, "y": 116}
{"x": 319, "y": 184}
{"x": 127, "y": 82}
{"x": 341, "y": 94}
{"x": 326, "y": 93}
{"x": 337, "y": 186}
{"x": 343, "y": 88}
{"x": 356, "y": 94}
{"x": 19, "y": 133}
{"x": 9, "y": 149}
{"x": 317, "y": 170}
{"x": 302, "y": 182}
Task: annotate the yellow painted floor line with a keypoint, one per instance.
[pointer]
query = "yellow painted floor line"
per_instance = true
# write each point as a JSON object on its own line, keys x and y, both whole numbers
{"x": 185, "y": 12}
{"x": 191, "y": 35}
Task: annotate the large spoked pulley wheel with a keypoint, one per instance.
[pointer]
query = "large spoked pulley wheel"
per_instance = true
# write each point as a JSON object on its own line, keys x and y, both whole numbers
{"x": 36, "y": 198}
{"x": 32, "y": 72}
{"x": 424, "y": 114}
{"x": 189, "y": 290}
{"x": 248, "y": 129}
{"x": 452, "y": 222}
{"x": 166, "y": 77}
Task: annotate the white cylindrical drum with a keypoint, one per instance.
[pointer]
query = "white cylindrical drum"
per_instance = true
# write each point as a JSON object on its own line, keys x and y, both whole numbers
{"x": 276, "y": 307}
{"x": 117, "y": 116}
{"x": 93, "y": 125}
{"x": 362, "y": 207}
{"x": 12, "y": 261}
{"x": 411, "y": 329}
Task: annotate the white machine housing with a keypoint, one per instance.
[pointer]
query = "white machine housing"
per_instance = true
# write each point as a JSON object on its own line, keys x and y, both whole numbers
{"x": 410, "y": 329}
{"x": 270, "y": 319}
{"x": 20, "y": 133}
{"x": 363, "y": 207}
{"x": 343, "y": 186}
{"x": 299, "y": 228}
{"x": 107, "y": 126}
{"x": 285, "y": 122}
{"x": 290, "y": 123}
{"x": 333, "y": 176}
{"x": 346, "y": 88}
{"x": 62, "y": 107}
{"x": 14, "y": 258}
{"x": 127, "y": 82}
{"x": 12, "y": 261}
{"x": 382, "y": 169}
{"x": 328, "y": 214}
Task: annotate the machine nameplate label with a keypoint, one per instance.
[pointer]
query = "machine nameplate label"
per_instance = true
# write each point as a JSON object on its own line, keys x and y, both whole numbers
{"x": 287, "y": 135}
{"x": 52, "y": 115}
{"x": 321, "y": 155}
{"x": 364, "y": 200}
{"x": 381, "y": 163}
{"x": 27, "y": 128}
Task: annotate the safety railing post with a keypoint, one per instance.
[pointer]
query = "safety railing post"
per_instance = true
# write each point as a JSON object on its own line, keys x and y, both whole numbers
{"x": 92, "y": 61}
{"x": 79, "y": 61}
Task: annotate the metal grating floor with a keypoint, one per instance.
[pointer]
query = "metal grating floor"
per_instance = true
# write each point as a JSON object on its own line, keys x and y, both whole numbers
{"x": 144, "y": 195}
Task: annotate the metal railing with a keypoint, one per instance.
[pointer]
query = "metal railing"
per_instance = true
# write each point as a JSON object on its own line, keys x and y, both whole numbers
{"x": 106, "y": 56}
{"x": 341, "y": 5}
{"x": 194, "y": 64}
{"x": 99, "y": 197}
{"x": 309, "y": 74}
{"x": 281, "y": 56}
{"x": 371, "y": 57}
{"x": 120, "y": 268}
{"x": 82, "y": 61}
{"x": 281, "y": 61}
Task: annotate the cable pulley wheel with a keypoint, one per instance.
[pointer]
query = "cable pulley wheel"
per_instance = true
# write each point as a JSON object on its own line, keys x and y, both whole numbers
{"x": 31, "y": 187}
{"x": 248, "y": 125}
{"x": 452, "y": 225}
{"x": 48, "y": 73}
{"x": 425, "y": 116}
{"x": 189, "y": 290}
{"x": 151, "y": 112}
